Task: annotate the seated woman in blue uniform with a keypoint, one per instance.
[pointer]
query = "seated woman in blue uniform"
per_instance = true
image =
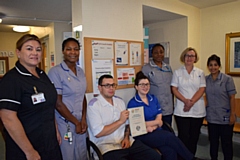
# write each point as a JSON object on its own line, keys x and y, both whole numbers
{"x": 169, "y": 145}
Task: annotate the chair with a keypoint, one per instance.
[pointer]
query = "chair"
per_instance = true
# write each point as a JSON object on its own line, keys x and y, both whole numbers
{"x": 94, "y": 152}
{"x": 236, "y": 128}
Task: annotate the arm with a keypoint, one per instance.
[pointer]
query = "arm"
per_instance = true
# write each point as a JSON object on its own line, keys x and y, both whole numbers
{"x": 233, "y": 111}
{"x": 16, "y": 131}
{"x": 58, "y": 134}
{"x": 63, "y": 110}
{"x": 84, "y": 114}
{"x": 108, "y": 129}
{"x": 125, "y": 142}
{"x": 152, "y": 125}
{"x": 198, "y": 95}
{"x": 178, "y": 94}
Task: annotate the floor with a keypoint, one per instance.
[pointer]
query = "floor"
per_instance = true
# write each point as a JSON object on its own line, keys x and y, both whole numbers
{"x": 202, "y": 150}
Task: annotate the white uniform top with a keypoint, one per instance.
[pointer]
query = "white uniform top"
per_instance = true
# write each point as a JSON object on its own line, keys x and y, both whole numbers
{"x": 101, "y": 113}
{"x": 188, "y": 85}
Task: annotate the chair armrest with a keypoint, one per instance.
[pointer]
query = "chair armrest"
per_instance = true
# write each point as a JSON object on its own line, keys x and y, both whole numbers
{"x": 167, "y": 127}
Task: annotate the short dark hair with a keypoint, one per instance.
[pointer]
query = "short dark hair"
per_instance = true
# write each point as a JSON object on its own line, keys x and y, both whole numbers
{"x": 102, "y": 77}
{"x": 157, "y": 45}
{"x": 68, "y": 40}
{"x": 140, "y": 76}
{"x": 214, "y": 57}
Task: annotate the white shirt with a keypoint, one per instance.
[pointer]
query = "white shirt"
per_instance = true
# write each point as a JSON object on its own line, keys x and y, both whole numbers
{"x": 188, "y": 85}
{"x": 101, "y": 113}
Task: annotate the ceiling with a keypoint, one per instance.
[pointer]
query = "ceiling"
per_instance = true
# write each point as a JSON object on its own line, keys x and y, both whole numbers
{"x": 42, "y": 12}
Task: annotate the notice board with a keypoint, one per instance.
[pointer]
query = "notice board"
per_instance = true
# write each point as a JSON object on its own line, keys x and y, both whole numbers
{"x": 127, "y": 57}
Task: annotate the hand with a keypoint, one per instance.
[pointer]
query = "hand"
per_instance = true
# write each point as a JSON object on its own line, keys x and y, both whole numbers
{"x": 124, "y": 116}
{"x": 84, "y": 126}
{"x": 151, "y": 128}
{"x": 125, "y": 143}
{"x": 59, "y": 138}
{"x": 33, "y": 155}
{"x": 78, "y": 128}
{"x": 232, "y": 119}
{"x": 188, "y": 105}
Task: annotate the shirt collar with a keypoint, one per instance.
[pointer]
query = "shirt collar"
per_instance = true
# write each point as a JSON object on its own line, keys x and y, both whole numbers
{"x": 65, "y": 67}
{"x": 23, "y": 71}
{"x": 104, "y": 102}
{"x": 138, "y": 99}
{"x": 219, "y": 77}
{"x": 153, "y": 64}
{"x": 194, "y": 68}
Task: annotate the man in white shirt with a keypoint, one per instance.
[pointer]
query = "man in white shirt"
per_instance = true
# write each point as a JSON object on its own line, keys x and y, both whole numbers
{"x": 107, "y": 117}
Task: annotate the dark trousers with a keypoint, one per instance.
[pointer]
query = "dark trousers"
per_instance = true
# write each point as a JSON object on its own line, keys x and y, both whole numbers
{"x": 225, "y": 133}
{"x": 167, "y": 143}
{"x": 138, "y": 151}
{"x": 188, "y": 131}
{"x": 168, "y": 119}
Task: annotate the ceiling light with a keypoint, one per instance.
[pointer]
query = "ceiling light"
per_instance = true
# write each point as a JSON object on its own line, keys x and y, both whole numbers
{"x": 21, "y": 28}
{"x": 0, "y": 20}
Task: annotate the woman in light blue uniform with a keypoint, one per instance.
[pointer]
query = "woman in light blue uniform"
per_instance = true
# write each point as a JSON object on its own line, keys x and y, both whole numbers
{"x": 70, "y": 83}
{"x": 220, "y": 93}
{"x": 160, "y": 76}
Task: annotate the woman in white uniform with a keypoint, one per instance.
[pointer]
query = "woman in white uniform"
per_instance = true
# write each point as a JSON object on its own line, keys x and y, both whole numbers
{"x": 188, "y": 85}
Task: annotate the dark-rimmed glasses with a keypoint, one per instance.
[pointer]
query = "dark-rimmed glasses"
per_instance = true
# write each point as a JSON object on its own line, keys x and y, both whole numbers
{"x": 109, "y": 85}
{"x": 143, "y": 84}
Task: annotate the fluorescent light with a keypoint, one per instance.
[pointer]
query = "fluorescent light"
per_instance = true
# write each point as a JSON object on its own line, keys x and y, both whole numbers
{"x": 78, "y": 28}
{"x": 21, "y": 28}
{"x": 0, "y": 20}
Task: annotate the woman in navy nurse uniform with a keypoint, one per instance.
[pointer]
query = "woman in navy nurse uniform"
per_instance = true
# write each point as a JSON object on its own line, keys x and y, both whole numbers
{"x": 220, "y": 93}
{"x": 70, "y": 83}
{"x": 27, "y": 103}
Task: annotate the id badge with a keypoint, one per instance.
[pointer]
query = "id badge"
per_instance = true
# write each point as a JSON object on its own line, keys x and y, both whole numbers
{"x": 38, "y": 98}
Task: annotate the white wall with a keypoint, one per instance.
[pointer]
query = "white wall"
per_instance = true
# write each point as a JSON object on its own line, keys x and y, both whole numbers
{"x": 216, "y": 22}
{"x": 175, "y": 32}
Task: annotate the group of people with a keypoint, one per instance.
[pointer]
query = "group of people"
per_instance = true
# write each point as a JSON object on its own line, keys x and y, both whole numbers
{"x": 47, "y": 117}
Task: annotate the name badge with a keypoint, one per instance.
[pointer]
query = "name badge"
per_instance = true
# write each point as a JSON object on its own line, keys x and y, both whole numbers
{"x": 38, "y": 98}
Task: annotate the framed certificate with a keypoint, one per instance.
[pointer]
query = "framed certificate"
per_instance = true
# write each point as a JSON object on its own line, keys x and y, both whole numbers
{"x": 137, "y": 121}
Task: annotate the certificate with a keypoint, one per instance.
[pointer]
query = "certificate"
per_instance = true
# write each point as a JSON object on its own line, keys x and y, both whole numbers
{"x": 137, "y": 121}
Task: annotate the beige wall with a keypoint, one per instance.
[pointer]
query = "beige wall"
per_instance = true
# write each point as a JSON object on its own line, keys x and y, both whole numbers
{"x": 8, "y": 43}
{"x": 215, "y": 23}
{"x": 122, "y": 19}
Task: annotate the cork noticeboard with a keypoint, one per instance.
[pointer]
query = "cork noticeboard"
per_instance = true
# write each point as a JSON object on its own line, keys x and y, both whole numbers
{"x": 88, "y": 57}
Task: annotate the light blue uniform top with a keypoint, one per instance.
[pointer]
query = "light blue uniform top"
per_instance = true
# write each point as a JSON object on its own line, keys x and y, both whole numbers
{"x": 217, "y": 93}
{"x": 72, "y": 88}
{"x": 160, "y": 81}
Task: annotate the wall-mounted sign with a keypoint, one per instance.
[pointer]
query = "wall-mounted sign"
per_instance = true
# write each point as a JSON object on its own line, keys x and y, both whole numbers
{"x": 6, "y": 54}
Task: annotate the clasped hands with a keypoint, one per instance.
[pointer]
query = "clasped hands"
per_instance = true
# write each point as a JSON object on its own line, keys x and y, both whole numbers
{"x": 81, "y": 127}
{"x": 188, "y": 103}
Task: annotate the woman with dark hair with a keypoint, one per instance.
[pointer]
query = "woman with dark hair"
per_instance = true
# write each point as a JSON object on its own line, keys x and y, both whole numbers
{"x": 70, "y": 83}
{"x": 168, "y": 144}
{"x": 220, "y": 93}
{"x": 27, "y": 106}
{"x": 160, "y": 76}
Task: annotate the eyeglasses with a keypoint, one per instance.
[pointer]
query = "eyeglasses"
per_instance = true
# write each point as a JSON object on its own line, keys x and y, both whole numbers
{"x": 189, "y": 56}
{"x": 109, "y": 85}
{"x": 143, "y": 84}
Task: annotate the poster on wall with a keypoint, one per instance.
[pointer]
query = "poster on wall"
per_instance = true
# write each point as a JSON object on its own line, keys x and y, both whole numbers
{"x": 121, "y": 53}
{"x": 125, "y": 76}
{"x": 99, "y": 68}
{"x": 102, "y": 49}
{"x": 135, "y": 54}
{"x": 166, "y": 46}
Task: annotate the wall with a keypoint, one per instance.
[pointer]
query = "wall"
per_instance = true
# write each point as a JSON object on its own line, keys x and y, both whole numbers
{"x": 175, "y": 32}
{"x": 8, "y": 43}
{"x": 215, "y": 23}
{"x": 123, "y": 20}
